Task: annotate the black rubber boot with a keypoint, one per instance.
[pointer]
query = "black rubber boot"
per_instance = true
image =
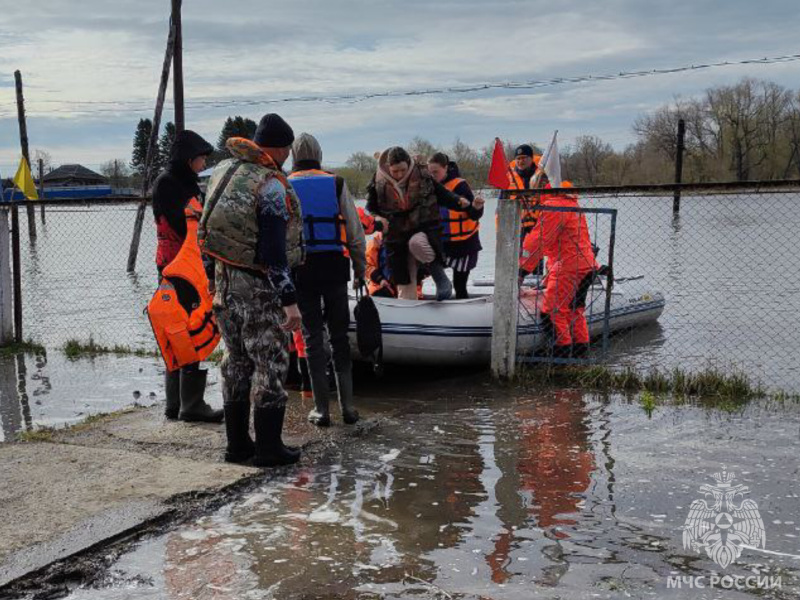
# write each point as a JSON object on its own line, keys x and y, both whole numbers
{"x": 172, "y": 386}
{"x": 287, "y": 449}
{"x": 564, "y": 351}
{"x": 318, "y": 373}
{"x": 241, "y": 447}
{"x": 444, "y": 289}
{"x": 270, "y": 451}
{"x": 193, "y": 407}
{"x": 580, "y": 350}
{"x": 345, "y": 381}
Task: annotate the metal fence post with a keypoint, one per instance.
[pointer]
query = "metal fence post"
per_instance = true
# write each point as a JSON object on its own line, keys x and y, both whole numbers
{"x": 17, "y": 266}
{"x": 506, "y": 288}
{"x": 676, "y": 200}
{"x": 6, "y": 306}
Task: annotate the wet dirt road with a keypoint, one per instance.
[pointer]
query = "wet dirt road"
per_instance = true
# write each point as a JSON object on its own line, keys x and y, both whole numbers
{"x": 501, "y": 495}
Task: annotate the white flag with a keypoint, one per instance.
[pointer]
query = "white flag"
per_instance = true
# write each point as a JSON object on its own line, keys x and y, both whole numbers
{"x": 551, "y": 163}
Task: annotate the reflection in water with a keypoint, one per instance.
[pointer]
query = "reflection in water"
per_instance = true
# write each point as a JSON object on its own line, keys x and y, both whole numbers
{"x": 565, "y": 494}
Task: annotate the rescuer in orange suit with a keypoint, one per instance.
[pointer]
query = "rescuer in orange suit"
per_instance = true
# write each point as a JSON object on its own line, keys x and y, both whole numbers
{"x": 563, "y": 239}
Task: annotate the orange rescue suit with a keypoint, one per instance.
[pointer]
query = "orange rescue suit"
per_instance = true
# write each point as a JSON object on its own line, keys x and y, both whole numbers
{"x": 563, "y": 238}
{"x": 186, "y": 333}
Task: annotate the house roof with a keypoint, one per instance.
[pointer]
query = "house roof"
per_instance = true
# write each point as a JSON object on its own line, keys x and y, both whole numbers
{"x": 73, "y": 172}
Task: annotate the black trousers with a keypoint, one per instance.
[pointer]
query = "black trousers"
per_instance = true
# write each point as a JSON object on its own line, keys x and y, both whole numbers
{"x": 322, "y": 306}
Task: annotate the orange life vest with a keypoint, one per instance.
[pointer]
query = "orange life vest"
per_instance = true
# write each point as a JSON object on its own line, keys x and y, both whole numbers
{"x": 456, "y": 224}
{"x": 529, "y": 215}
{"x": 185, "y": 335}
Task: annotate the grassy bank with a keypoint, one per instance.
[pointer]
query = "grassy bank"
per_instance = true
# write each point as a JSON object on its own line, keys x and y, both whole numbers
{"x": 75, "y": 349}
{"x": 28, "y": 347}
{"x": 45, "y": 434}
{"x": 712, "y": 386}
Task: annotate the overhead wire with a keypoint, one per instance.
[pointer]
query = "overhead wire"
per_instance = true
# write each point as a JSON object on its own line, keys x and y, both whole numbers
{"x": 72, "y": 106}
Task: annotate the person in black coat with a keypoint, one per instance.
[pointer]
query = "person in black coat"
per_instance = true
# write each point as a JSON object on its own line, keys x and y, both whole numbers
{"x": 172, "y": 191}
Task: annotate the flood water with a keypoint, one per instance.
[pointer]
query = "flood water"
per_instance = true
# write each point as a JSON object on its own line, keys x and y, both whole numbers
{"x": 726, "y": 267}
{"x": 46, "y": 389}
{"x": 494, "y": 495}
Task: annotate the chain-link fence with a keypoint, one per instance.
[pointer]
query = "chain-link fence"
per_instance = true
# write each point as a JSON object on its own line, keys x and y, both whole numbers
{"x": 716, "y": 285}
{"x": 713, "y": 287}
{"x": 75, "y": 284}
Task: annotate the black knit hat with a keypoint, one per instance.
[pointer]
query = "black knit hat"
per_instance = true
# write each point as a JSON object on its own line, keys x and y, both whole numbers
{"x": 524, "y": 150}
{"x": 273, "y": 132}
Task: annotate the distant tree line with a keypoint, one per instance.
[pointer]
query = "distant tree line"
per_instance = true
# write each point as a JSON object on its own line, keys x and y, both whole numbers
{"x": 746, "y": 131}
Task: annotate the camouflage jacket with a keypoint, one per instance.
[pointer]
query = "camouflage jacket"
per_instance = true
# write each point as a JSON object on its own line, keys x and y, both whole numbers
{"x": 229, "y": 226}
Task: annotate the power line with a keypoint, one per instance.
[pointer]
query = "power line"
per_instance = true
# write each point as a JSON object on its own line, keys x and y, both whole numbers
{"x": 118, "y": 106}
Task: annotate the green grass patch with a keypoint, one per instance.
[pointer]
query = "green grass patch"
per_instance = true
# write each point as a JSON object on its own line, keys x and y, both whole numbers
{"x": 216, "y": 356}
{"x": 75, "y": 349}
{"x": 43, "y": 434}
{"x": 28, "y": 347}
{"x": 728, "y": 390}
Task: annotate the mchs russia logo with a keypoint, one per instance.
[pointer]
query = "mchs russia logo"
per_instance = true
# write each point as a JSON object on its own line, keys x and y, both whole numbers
{"x": 724, "y": 522}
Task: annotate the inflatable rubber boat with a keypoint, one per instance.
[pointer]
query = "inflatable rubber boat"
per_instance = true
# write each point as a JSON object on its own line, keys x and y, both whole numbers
{"x": 459, "y": 332}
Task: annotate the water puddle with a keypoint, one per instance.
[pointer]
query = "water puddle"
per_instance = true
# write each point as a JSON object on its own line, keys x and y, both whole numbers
{"x": 46, "y": 389}
{"x": 560, "y": 496}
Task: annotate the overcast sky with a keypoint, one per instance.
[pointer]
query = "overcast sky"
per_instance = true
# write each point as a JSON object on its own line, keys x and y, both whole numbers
{"x": 109, "y": 53}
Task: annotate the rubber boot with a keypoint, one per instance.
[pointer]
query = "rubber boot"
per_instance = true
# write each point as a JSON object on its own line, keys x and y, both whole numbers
{"x": 320, "y": 416}
{"x": 269, "y": 446}
{"x": 562, "y": 351}
{"x": 172, "y": 386}
{"x": 580, "y": 350}
{"x": 444, "y": 289}
{"x": 193, "y": 407}
{"x": 287, "y": 449}
{"x": 241, "y": 447}
{"x": 349, "y": 413}
{"x": 305, "y": 379}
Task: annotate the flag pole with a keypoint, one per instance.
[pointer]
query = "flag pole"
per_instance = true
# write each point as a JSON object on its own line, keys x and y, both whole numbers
{"x": 540, "y": 167}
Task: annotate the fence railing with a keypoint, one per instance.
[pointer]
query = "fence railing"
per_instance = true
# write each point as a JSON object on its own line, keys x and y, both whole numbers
{"x": 724, "y": 268}
{"x": 714, "y": 287}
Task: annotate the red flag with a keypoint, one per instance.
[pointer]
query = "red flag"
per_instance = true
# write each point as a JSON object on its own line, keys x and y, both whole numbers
{"x": 498, "y": 172}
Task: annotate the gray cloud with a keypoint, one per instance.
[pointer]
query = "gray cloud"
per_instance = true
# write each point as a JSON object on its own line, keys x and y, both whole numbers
{"x": 250, "y": 49}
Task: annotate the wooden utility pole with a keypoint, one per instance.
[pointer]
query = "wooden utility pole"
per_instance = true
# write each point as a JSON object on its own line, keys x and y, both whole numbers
{"x": 151, "y": 148}
{"x": 506, "y": 287}
{"x": 41, "y": 186}
{"x": 177, "y": 67}
{"x": 676, "y": 200}
{"x": 23, "y": 141}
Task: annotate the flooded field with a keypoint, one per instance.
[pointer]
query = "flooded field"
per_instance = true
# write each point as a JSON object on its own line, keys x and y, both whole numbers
{"x": 497, "y": 495}
{"x": 730, "y": 282}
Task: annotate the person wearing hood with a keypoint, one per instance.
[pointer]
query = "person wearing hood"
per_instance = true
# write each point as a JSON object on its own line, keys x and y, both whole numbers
{"x": 335, "y": 243}
{"x": 174, "y": 189}
{"x": 403, "y": 192}
{"x": 252, "y": 228}
{"x": 461, "y": 242}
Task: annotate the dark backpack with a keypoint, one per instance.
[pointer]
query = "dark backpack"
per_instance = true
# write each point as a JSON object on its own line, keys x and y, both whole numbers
{"x": 368, "y": 330}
